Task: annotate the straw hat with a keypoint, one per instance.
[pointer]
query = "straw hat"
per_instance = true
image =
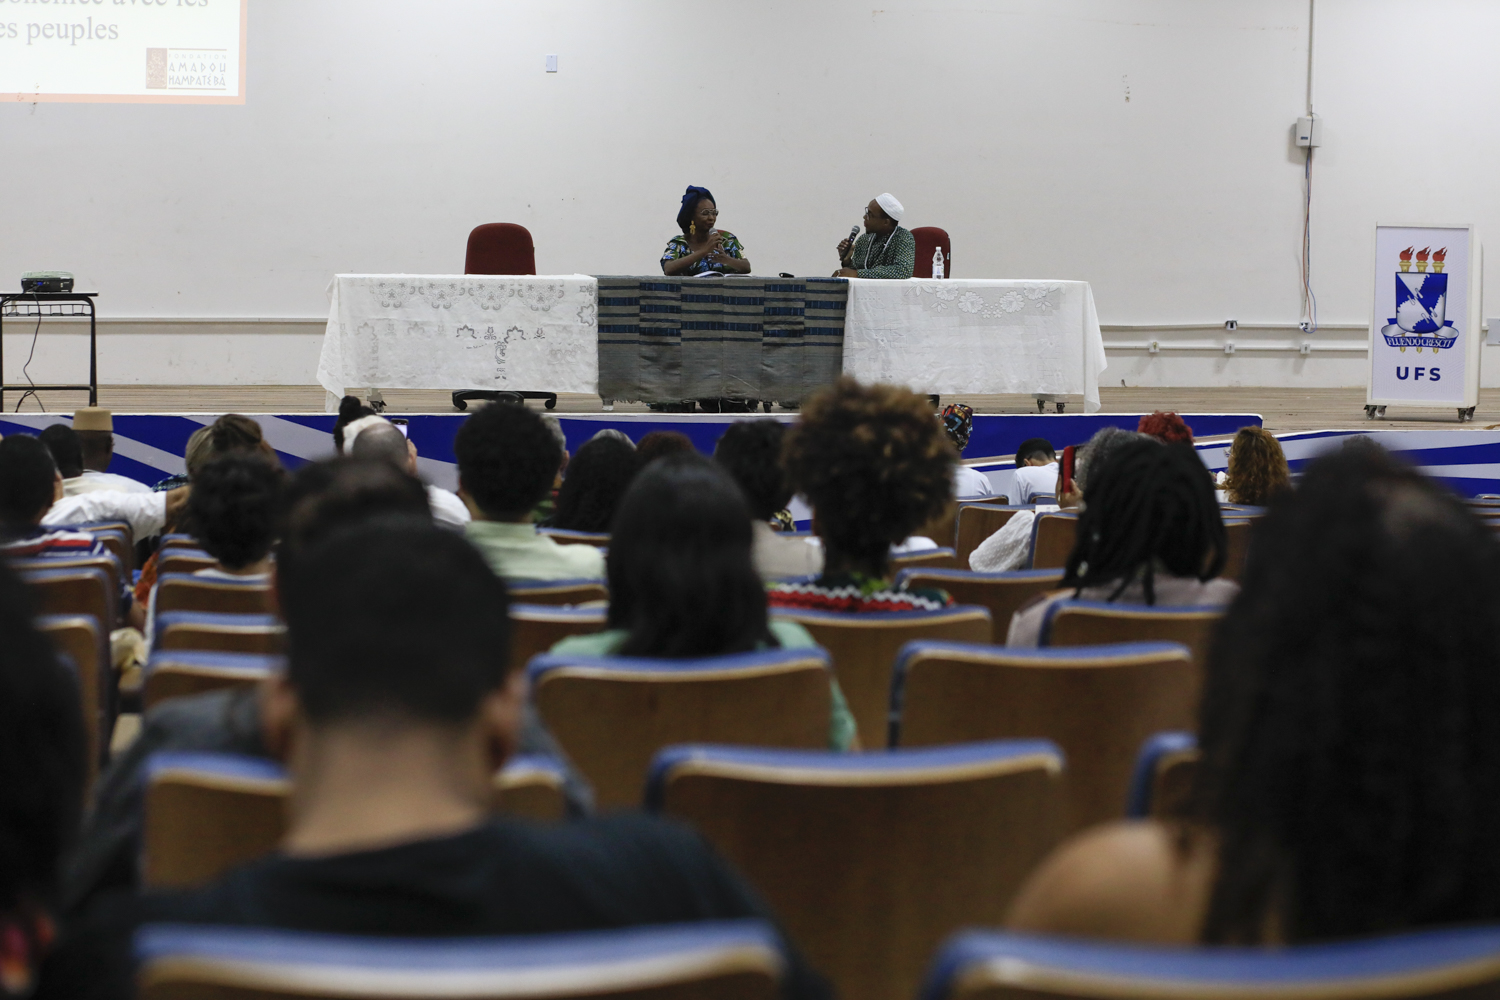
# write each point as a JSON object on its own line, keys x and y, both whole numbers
{"x": 93, "y": 418}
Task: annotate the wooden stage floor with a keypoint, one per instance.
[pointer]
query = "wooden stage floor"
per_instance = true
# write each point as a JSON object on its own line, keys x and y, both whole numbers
{"x": 1283, "y": 409}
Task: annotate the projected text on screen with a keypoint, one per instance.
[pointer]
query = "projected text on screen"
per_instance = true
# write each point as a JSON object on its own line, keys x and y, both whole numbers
{"x": 137, "y": 51}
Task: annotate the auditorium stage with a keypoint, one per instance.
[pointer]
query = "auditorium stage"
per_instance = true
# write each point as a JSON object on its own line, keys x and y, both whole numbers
{"x": 1283, "y": 410}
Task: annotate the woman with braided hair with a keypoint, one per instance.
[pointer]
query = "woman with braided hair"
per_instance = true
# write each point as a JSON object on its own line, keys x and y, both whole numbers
{"x": 1350, "y": 779}
{"x": 1149, "y": 532}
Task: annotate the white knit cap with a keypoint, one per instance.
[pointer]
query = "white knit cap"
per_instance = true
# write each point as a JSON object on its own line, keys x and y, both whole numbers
{"x": 890, "y": 206}
{"x": 354, "y": 428}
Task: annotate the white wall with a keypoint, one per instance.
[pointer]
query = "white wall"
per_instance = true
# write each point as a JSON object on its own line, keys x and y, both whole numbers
{"x": 376, "y": 134}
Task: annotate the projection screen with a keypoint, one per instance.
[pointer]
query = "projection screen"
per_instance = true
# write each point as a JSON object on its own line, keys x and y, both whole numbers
{"x": 126, "y": 51}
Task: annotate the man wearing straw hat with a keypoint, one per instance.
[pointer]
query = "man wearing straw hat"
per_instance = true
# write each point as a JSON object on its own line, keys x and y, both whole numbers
{"x": 885, "y": 250}
{"x": 95, "y": 427}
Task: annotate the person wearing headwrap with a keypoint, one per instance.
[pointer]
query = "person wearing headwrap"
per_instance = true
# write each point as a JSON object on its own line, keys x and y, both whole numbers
{"x": 958, "y": 421}
{"x": 885, "y": 250}
{"x": 702, "y": 248}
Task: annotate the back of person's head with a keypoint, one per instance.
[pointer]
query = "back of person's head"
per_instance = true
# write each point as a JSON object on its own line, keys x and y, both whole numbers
{"x": 42, "y": 766}
{"x": 750, "y": 451}
{"x": 874, "y": 465}
{"x": 27, "y": 475}
{"x": 1035, "y": 448}
{"x": 1098, "y": 449}
{"x": 62, "y": 441}
{"x": 617, "y": 434}
{"x": 958, "y": 422}
{"x": 235, "y": 432}
{"x": 395, "y": 618}
{"x": 659, "y": 444}
{"x": 1166, "y": 426}
{"x": 1147, "y": 507}
{"x": 1351, "y": 771}
{"x": 598, "y": 477}
{"x": 384, "y": 443}
{"x": 234, "y": 505}
{"x": 324, "y": 497}
{"x": 681, "y": 579}
{"x": 507, "y": 458}
{"x": 350, "y": 410}
{"x": 1257, "y": 467}
{"x": 199, "y": 450}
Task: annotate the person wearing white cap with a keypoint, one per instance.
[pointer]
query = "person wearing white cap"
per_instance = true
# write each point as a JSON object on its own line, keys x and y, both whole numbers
{"x": 885, "y": 250}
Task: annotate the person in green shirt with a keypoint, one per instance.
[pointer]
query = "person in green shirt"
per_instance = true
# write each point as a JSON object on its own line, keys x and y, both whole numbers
{"x": 885, "y": 250}
{"x": 507, "y": 460}
{"x": 681, "y": 580}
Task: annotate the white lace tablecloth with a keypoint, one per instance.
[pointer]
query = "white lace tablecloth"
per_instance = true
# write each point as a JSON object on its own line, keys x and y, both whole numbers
{"x": 442, "y": 331}
{"x": 960, "y": 336}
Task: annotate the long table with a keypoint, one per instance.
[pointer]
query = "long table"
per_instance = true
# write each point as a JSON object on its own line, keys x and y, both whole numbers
{"x": 658, "y": 339}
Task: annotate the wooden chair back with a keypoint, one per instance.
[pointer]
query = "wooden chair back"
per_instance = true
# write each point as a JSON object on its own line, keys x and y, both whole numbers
{"x": 1165, "y": 769}
{"x": 1098, "y": 703}
{"x": 536, "y": 628}
{"x": 185, "y": 592}
{"x": 531, "y": 786}
{"x": 612, "y": 714}
{"x": 81, "y": 586}
{"x": 976, "y": 522}
{"x": 172, "y": 673}
{"x": 1094, "y": 623}
{"x": 1052, "y": 538}
{"x": 1002, "y": 593}
{"x": 1237, "y": 547}
{"x": 557, "y": 591}
{"x": 938, "y": 558}
{"x": 118, "y": 537}
{"x": 79, "y": 637}
{"x": 864, "y": 647}
{"x": 264, "y": 634}
{"x": 871, "y": 860}
{"x": 942, "y": 529}
{"x": 562, "y": 536}
{"x": 183, "y": 561}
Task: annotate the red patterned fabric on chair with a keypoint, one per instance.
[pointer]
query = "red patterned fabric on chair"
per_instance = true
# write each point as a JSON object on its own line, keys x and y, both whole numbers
{"x": 505, "y": 248}
{"x": 929, "y": 238}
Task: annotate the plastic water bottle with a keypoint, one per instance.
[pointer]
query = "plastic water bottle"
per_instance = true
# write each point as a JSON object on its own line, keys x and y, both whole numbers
{"x": 937, "y": 262}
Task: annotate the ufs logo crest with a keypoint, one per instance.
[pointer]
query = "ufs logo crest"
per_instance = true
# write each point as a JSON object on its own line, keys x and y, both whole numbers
{"x": 1421, "y": 301}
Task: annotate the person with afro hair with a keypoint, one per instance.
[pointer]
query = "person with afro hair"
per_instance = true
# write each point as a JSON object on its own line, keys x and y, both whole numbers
{"x": 875, "y": 466}
{"x": 1165, "y": 426}
{"x": 1257, "y": 467}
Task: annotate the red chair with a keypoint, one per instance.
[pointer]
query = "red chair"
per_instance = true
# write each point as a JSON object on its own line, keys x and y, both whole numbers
{"x": 929, "y": 238}
{"x": 501, "y": 248}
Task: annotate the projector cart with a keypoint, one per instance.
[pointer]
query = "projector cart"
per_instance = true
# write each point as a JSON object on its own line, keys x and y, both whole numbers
{"x": 37, "y": 306}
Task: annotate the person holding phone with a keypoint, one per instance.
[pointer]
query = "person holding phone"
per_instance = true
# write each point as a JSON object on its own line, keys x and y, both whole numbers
{"x": 702, "y": 248}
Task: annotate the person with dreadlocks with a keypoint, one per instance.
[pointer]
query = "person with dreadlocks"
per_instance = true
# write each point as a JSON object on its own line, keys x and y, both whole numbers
{"x": 1350, "y": 780}
{"x": 1149, "y": 532}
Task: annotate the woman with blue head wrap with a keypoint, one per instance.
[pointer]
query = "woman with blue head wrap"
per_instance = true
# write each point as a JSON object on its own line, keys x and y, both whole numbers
{"x": 702, "y": 248}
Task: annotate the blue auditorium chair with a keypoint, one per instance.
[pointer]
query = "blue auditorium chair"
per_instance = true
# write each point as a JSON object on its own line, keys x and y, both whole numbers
{"x": 1052, "y": 537}
{"x": 870, "y": 860}
{"x": 536, "y": 628}
{"x": 738, "y": 959}
{"x": 213, "y": 594}
{"x": 1098, "y": 703}
{"x": 1091, "y": 623}
{"x": 1461, "y": 962}
{"x": 557, "y": 591}
{"x": 1002, "y": 593}
{"x": 173, "y": 673}
{"x": 200, "y": 630}
{"x": 613, "y": 713}
{"x": 1163, "y": 775}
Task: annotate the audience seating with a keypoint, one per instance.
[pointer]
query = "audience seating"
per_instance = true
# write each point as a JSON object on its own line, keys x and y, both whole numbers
{"x": 1237, "y": 547}
{"x": 870, "y": 860}
{"x": 1163, "y": 777}
{"x": 1052, "y": 538}
{"x": 178, "y": 540}
{"x": 181, "y": 560}
{"x": 83, "y": 586}
{"x": 200, "y": 630}
{"x": 1092, "y": 623}
{"x": 1002, "y": 593}
{"x": 175, "y": 673}
{"x": 117, "y": 537}
{"x": 1448, "y": 963}
{"x": 1098, "y": 703}
{"x": 864, "y": 647}
{"x": 564, "y": 536}
{"x": 938, "y": 558}
{"x": 185, "y": 592}
{"x": 208, "y": 812}
{"x": 557, "y": 591}
{"x": 712, "y": 960}
{"x": 1043, "y": 498}
{"x": 612, "y": 714}
{"x": 943, "y": 528}
{"x": 978, "y": 521}
{"x": 536, "y": 628}
{"x": 81, "y": 639}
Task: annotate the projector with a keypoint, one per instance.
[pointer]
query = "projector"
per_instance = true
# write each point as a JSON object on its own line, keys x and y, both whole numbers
{"x": 47, "y": 281}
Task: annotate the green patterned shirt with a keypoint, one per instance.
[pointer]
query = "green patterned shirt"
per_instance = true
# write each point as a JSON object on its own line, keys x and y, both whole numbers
{"x": 895, "y": 257}
{"x": 677, "y": 247}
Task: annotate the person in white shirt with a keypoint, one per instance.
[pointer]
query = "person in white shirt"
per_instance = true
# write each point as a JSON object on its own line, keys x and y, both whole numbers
{"x": 377, "y": 437}
{"x": 750, "y": 451}
{"x": 1036, "y": 471}
{"x": 968, "y": 484}
{"x": 67, "y": 451}
{"x": 95, "y": 427}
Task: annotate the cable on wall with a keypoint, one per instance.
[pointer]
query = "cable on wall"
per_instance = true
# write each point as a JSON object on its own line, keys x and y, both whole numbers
{"x": 1309, "y": 320}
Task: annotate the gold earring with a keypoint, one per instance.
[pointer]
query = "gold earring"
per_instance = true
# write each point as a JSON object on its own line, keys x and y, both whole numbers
{"x": 692, "y": 229}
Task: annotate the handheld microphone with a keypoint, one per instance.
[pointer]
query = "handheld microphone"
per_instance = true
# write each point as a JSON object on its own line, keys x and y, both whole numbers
{"x": 853, "y": 233}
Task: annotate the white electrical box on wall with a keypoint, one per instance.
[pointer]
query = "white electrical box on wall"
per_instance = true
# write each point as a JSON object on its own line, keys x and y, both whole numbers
{"x": 1310, "y": 131}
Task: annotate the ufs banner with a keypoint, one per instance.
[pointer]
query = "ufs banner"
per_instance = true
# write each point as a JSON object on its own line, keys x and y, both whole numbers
{"x": 1421, "y": 336}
